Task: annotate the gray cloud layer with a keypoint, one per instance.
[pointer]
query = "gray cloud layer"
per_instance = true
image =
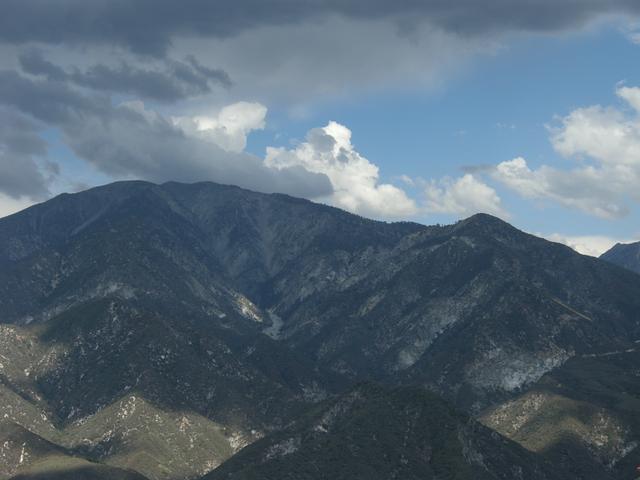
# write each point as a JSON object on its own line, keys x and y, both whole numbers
{"x": 148, "y": 26}
{"x": 20, "y": 149}
{"x": 125, "y": 141}
{"x": 177, "y": 80}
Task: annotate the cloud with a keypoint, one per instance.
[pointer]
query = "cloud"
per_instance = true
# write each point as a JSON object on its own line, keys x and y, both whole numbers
{"x": 10, "y": 205}
{"x": 130, "y": 141}
{"x": 171, "y": 81}
{"x": 300, "y": 51}
{"x": 333, "y": 57}
{"x": 134, "y": 142}
{"x": 632, "y": 32}
{"x": 631, "y": 95}
{"x": 605, "y": 141}
{"x": 230, "y": 127}
{"x": 48, "y": 101}
{"x": 593, "y": 245}
{"x": 463, "y": 197}
{"x": 605, "y": 134}
{"x": 127, "y": 23}
{"x": 24, "y": 172}
{"x": 355, "y": 179}
{"x": 584, "y": 189}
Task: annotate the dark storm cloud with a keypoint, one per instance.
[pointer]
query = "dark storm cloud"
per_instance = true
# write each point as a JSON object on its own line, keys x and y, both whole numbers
{"x": 147, "y": 26}
{"x": 128, "y": 141}
{"x": 176, "y": 80}
{"x": 33, "y": 62}
{"x": 125, "y": 141}
{"x": 20, "y": 147}
{"x": 47, "y": 100}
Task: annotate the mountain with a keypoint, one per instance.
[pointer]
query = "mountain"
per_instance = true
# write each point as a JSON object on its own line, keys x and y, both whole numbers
{"x": 625, "y": 255}
{"x": 372, "y": 433}
{"x": 161, "y": 328}
{"x": 124, "y": 333}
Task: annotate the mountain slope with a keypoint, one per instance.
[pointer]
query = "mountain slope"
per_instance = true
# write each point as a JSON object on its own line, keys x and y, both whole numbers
{"x": 625, "y": 255}
{"x": 238, "y": 310}
{"x": 123, "y": 386}
{"x": 477, "y": 310}
{"x": 372, "y": 433}
{"x": 588, "y": 409}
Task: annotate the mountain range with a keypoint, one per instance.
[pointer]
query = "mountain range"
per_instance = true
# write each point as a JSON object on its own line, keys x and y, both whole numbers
{"x": 174, "y": 331}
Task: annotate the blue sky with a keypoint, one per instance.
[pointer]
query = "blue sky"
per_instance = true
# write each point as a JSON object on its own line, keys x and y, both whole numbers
{"x": 405, "y": 112}
{"x": 499, "y": 107}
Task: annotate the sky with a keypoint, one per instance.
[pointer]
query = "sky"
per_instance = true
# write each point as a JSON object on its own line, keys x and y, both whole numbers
{"x": 420, "y": 110}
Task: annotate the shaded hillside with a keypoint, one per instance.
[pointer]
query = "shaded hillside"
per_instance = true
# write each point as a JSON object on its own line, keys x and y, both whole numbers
{"x": 376, "y": 434}
{"x": 56, "y": 469}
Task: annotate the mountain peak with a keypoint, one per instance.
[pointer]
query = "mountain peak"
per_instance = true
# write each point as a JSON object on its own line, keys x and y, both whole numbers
{"x": 489, "y": 226}
{"x": 485, "y": 219}
{"x": 626, "y": 255}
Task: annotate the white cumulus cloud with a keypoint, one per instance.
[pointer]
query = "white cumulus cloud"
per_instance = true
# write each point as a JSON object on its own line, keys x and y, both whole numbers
{"x": 355, "y": 180}
{"x": 605, "y": 143}
{"x": 228, "y": 128}
{"x": 583, "y": 189}
{"x": 463, "y": 196}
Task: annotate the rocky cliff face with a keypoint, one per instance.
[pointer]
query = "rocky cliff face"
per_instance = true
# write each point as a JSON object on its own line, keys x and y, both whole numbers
{"x": 625, "y": 255}
{"x": 162, "y": 328}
